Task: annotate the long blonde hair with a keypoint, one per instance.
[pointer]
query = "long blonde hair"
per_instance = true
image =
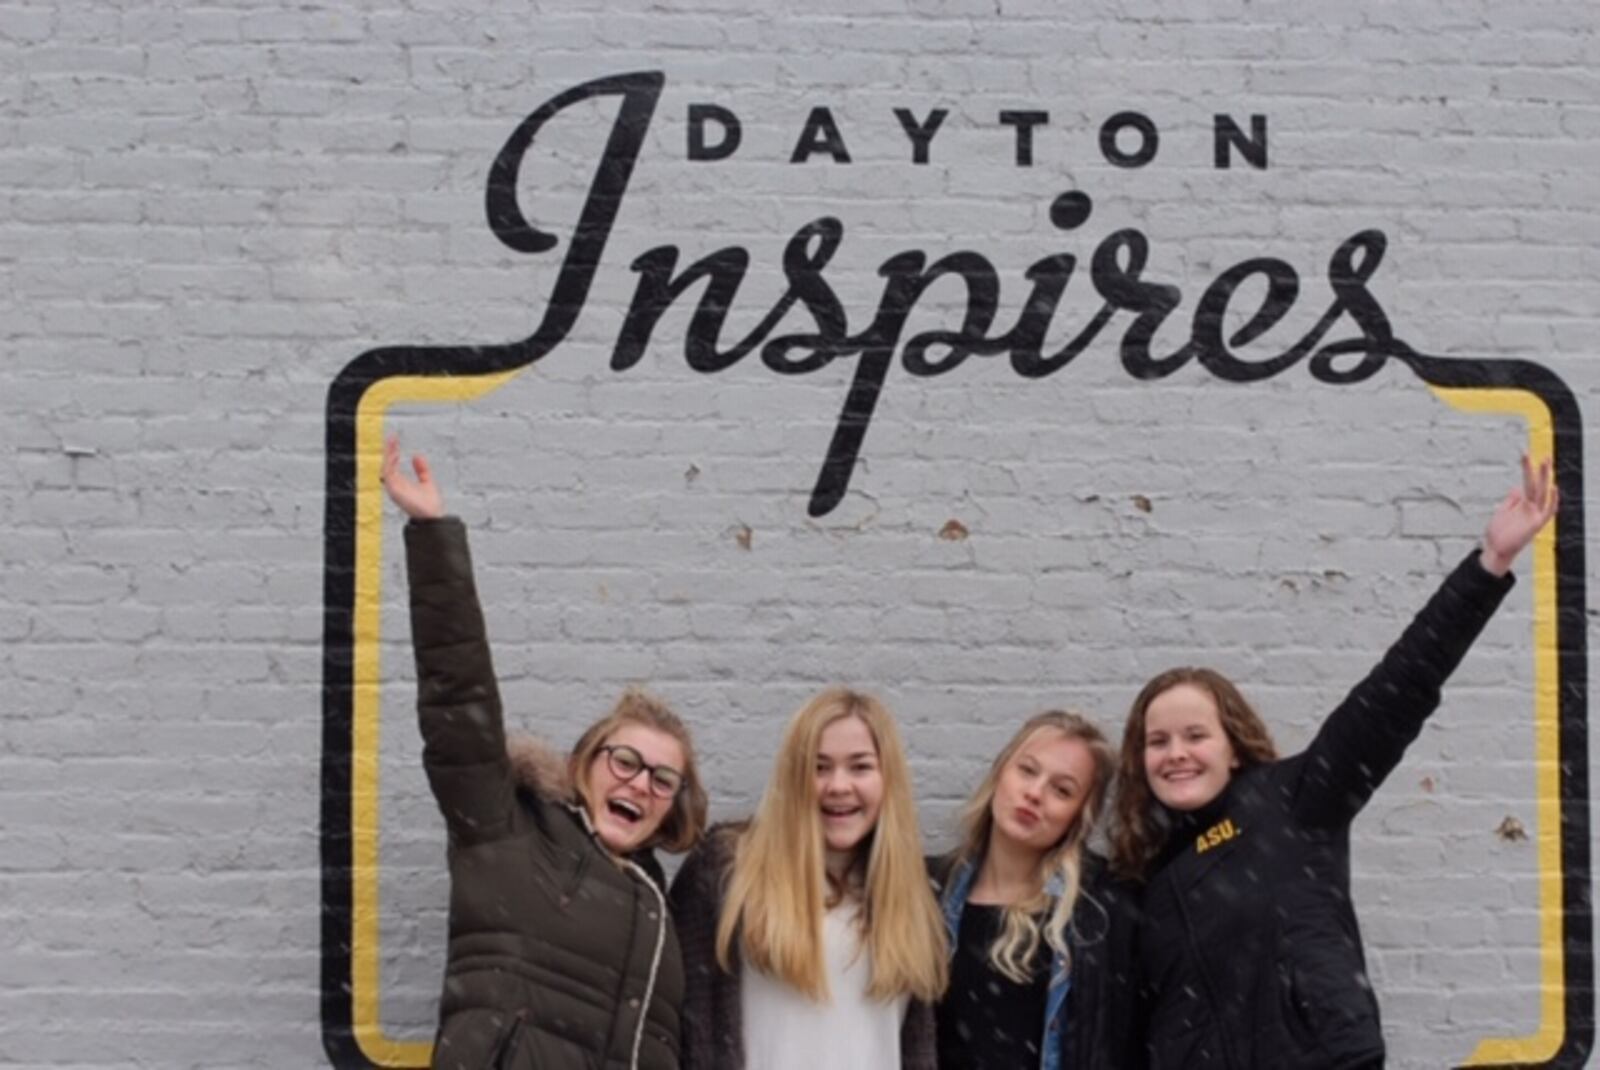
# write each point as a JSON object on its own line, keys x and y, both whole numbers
{"x": 1020, "y": 934}
{"x": 778, "y": 889}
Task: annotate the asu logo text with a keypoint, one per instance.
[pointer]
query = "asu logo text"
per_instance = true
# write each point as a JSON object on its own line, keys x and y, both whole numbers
{"x": 1216, "y": 835}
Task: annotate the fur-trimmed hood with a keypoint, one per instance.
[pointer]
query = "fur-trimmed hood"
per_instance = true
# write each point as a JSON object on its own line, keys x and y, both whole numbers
{"x": 543, "y": 771}
{"x": 540, "y": 768}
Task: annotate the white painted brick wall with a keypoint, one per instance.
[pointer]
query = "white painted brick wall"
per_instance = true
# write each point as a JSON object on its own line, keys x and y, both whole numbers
{"x": 207, "y": 211}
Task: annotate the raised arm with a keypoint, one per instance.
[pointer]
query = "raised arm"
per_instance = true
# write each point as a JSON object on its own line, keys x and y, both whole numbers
{"x": 458, "y": 699}
{"x": 1365, "y": 737}
{"x": 696, "y": 902}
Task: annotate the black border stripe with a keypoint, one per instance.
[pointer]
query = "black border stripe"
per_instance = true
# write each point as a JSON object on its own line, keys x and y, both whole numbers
{"x": 1572, "y": 646}
{"x": 640, "y": 92}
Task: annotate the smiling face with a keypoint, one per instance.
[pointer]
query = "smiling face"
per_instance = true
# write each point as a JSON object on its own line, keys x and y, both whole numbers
{"x": 849, "y": 787}
{"x": 627, "y": 813}
{"x": 1042, "y": 790}
{"x": 1188, "y": 758}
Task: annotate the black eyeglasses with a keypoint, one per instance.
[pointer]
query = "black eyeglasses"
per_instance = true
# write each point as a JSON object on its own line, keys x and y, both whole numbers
{"x": 626, "y": 763}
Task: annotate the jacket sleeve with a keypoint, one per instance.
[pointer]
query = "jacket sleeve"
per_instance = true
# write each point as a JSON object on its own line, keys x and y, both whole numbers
{"x": 919, "y": 1037}
{"x": 458, "y": 699}
{"x": 1103, "y": 1029}
{"x": 1363, "y": 739}
{"x": 919, "y": 1031}
{"x": 696, "y": 901}
{"x": 939, "y": 867}
{"x": 1126, "y": 1003}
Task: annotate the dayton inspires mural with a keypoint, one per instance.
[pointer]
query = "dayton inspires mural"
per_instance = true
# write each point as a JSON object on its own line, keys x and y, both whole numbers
{"x": 1352, "y": 339}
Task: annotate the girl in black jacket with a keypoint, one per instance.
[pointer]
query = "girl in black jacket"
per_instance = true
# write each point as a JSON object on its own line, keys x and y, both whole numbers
{"x": 1250, "y": 955}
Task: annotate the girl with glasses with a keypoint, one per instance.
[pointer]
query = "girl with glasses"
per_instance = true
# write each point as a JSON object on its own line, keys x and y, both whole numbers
{"x": 561, "y": 950}
{"x": 1249, "y": 950}
{"x": 1040, "y": 936}
{"x": 811, "y": 938}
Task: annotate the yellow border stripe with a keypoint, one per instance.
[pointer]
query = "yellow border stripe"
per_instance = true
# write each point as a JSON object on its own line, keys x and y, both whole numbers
{"x": 365, "y": 952}
{"x": 365, "y": 949}
{"x": 1540, "y": 1046}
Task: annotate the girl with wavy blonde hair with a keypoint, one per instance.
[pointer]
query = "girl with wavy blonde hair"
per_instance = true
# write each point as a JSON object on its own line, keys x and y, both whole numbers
{"x": 811, "y": 937}
{"x": 1035, "y": 942}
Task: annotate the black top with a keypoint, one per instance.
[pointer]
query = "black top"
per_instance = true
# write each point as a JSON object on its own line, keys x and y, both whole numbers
{"x": 986, "y": 1020}
{"x": 1250, "y": 950}
{"x": 1100, "y": 1026}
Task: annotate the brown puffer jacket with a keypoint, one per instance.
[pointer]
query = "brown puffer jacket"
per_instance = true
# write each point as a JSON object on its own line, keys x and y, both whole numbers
{"x": 560, "y": 955}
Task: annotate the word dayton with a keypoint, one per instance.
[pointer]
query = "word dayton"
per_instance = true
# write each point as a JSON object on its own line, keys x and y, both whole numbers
{"x": 715, "y": 133}
{"x": 1116, "y": 270}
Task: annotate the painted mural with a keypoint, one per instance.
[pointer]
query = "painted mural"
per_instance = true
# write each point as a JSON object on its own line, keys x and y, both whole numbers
{"x": 1138, "y": 319}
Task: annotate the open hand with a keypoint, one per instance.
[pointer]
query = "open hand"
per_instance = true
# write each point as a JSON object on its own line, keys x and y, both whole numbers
{"x": 419, "y": 498}
{"x": 1521, "y": 516}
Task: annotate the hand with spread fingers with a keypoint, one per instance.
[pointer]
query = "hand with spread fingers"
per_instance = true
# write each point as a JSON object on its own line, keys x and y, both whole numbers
{"x": 419, "y": 498}
{"x": 1521, "y": 515}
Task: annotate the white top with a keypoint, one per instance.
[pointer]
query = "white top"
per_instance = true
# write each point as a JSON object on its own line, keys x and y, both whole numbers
{"x": 784, "y": 1030}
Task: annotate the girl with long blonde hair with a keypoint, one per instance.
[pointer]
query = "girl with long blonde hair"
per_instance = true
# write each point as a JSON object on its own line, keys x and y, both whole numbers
{"x": 1039, "y": 943}
{"x": 811, "y": 937}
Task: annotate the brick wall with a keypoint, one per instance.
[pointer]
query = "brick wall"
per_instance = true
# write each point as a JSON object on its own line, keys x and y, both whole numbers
{"x": 209, "y": 212}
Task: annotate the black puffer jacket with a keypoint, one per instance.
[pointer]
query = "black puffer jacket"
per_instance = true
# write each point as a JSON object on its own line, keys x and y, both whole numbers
{"x": 1250, "y": 953}
{"x": 559, "y": 956}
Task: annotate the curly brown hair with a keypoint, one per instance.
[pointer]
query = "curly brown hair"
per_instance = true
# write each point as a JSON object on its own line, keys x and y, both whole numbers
{"x": 1138, "y": 830}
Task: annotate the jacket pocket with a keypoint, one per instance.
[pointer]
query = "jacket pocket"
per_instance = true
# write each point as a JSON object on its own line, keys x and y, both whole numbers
{"x": 574, "y": 879}
{"x": 1294, "y": 1009}
{"x": 505, "y": 1049}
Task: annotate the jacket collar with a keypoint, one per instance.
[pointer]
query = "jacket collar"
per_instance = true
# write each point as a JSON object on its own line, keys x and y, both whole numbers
{"x": 541, "y": 770}
{"x": 1183, "y": 825}
{"x": 643, "y": 861}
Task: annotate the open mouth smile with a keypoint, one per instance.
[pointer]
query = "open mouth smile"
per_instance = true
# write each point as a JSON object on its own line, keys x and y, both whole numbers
{"x": 627, "y": 811}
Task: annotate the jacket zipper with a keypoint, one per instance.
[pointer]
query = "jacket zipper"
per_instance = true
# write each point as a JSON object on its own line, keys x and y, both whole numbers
{"x": 578, "y": 873}
{"x": 1205, "y": 974}
{"x": 661, "y": 931}
{"x": 655, "y": 960}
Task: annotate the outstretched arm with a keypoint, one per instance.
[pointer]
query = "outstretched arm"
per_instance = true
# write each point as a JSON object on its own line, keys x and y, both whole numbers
{"x": 1365, "y": 737}
{"x": 458, "y": 699}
